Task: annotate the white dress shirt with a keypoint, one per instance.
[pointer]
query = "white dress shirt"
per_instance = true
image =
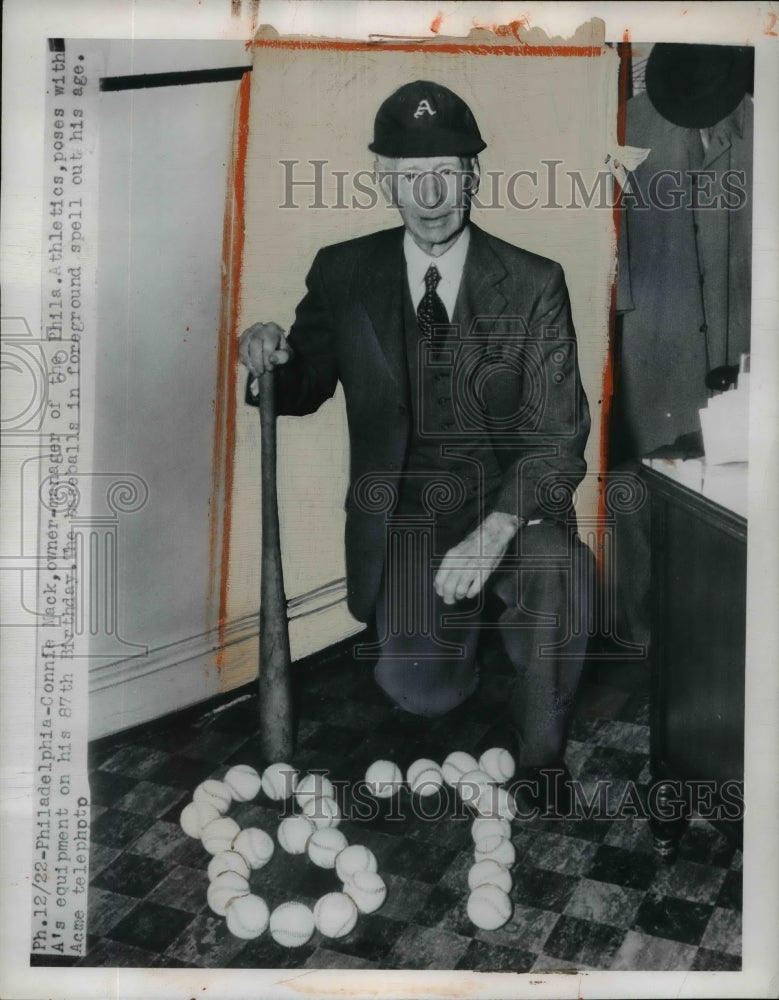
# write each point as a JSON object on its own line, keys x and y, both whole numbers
{"x": 450, "y": 266}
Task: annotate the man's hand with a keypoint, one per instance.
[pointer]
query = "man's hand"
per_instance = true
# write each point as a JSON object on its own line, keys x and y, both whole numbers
{"x": 262, "y": 347}
{"x": 466, "y": 567}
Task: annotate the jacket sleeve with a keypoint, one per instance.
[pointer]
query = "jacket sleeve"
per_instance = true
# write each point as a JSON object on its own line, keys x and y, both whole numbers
{"x": 311, "y": 375}
{"x": 542, "y": 471}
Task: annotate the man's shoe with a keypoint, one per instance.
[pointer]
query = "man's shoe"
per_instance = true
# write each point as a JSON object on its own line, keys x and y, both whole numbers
{"x": 543, "y": 792}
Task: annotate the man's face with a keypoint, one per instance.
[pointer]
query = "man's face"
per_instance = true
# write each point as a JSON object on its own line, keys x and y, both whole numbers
{"x": 433, "y": 196}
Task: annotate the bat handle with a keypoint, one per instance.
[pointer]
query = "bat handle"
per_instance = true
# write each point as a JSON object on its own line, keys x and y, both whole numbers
{"x": 275, "y": 686}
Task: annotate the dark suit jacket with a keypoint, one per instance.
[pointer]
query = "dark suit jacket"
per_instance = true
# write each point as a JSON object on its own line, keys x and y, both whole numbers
{"x": 512, "y": 306}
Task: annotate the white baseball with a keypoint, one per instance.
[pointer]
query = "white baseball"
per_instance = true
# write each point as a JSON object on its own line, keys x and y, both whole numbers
{"x": 243, "y": 782}
{"x": 228, "y": 861}
{"x": 195, "y": 816}
{"x": 498, "y": 848}
{"x": 456, "y": 765}
{"x": 324, "y": 845}
{"x": 322, "y": 812}
{"x": 224, "y": 889}
{"x": 498, "y": 763}
{"x": 383, "y": 778}
{"x": 293, "y": 834}
{"x": 496, "y": 802}
{"x": 368, "y": 890}
{"x": 247, "y": 916}
{"x": 489, "y": 872}
{"x": 355, "y": 858}
{"x": 489, "y": 907}
{"x": 255, "y": 845}
{"x": 215, "y": 793}
{"x": 279, "y": 781}
{"x": 335, "y": 914}
{"x": 219, "y": 834}
{"x": 486, "y": 826}
{"x": 471, "y": 785}
{"x": 313, "y": 786}
{"x": 424, "y": 777}
{"x": 291, "y": 924}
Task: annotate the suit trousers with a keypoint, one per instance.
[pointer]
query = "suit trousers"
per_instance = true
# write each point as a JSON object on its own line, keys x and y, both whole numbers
{"x": 539, "y": 599}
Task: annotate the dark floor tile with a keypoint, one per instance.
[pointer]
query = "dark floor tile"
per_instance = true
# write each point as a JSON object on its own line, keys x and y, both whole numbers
{"x": 606, "y": 763}
{"x": 482, "y": 957}
{"x": 132, "y": 875}
{"x": 426, "y": 948}
{"x": 107, "y": 787}
{"x": 106, "y": 909}
{"x": 716, "y": 961}
{"x": 702, "y": 843}
{"x": 730, "y": 894}
{"x": 628, "y": 868}
{"x": 182, "y": 772}
{"x": 213, "y": 745}
{"x": 672, "y": 918}
{"x": 371, "y": 939}
{"x": 557, "y": 853}
{"x": 166, "y": 841}
{"x": 405, "y": 897}
{"x": 604, "y": 903}
{"x": 547, "y": 890}
{"x": 118, "y": 829}
{"x": 205, "y": 942}
{"x": 182, "y": 888}
{"x": 150, "y": 926}
{"x": 134, "y": 760}
{"x": 446, "y": 908}
{"x": 151, "y": 799}
{"x": 263, "y": 953}
{"x": 171, "y": 738}
{"x": 689, "y": 880}
{"x": 427, "y": 862}
{"x": 576, "y": 940}
{"x": 333, "y": 740}
{"x": 117, "y": 954}
{"x": 325, "y": 958}
{"x": 100, "y": 856}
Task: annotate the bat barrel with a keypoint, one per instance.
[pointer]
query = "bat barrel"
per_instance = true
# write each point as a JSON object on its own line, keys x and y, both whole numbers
{"x": 275, "y": 686}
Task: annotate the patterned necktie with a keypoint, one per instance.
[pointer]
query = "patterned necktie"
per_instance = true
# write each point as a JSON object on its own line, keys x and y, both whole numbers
{"x": 431, "y": 312}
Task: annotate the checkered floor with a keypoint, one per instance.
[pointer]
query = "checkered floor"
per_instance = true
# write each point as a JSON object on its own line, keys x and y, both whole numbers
{"x": 587, "y": 894}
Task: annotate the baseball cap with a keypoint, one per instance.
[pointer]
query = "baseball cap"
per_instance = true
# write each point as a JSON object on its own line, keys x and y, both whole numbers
{"x": 425, "y": 119}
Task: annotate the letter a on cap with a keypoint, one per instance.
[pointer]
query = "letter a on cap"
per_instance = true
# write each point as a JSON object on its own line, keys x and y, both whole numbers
{"x": 422, "y": 107}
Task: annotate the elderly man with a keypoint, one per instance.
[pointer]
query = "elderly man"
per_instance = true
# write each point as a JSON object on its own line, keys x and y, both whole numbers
{"x": 457, "y": 357}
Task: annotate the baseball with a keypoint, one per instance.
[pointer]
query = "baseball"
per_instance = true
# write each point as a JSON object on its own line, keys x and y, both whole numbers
{"x": 368, "y": 890}
{"x": 322, "y": 812}
{"x": 247, "y": 916}
{"x": 498, "y": 848}
{"x": 215, "y": 793}
{"x": 471, "y": 785}
{"x": 243, "y": 782}
{"x": 335, "y": 914}
{"x": 489, "y": 907}
{"x": 255, "y": 846}
{"x": 496, "y": 802}
{"x": 293, "y": 834}
{"x": 224, "y": 889}
{"x": 489, "y": 872}
{"x": 291, "y": 924}
{"x": 456, "y": 765}
{"x": 485, "y": 826}
{"x": 228, "y": 861}
{"x": 498, "y": 763}
{"x": 195, "y": 816}
{"x": 313, "y": 786}
{"x": 355, "y": 858}
{"x": 424, "y": 777}
{"x": 218, "y": 835}
{"x": 383, "y": 778}
{"x": 279, "y": 781}
{"x": 323, "y": 846}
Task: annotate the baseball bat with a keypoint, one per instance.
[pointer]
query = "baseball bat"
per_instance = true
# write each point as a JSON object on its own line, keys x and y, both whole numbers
{"x": 277, "y": 738}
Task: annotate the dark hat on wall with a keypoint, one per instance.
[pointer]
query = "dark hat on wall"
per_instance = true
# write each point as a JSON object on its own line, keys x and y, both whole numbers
{"x": 696, "y": 86}
{"x": 425, "y": 119}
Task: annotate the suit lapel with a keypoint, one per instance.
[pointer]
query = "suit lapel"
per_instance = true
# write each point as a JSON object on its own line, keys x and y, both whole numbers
{"x": 481, "y": 297}
{"x": 381, "y": 293}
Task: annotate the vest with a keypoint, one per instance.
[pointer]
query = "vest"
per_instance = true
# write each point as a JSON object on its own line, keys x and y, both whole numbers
{"x": 439, "y": 451}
